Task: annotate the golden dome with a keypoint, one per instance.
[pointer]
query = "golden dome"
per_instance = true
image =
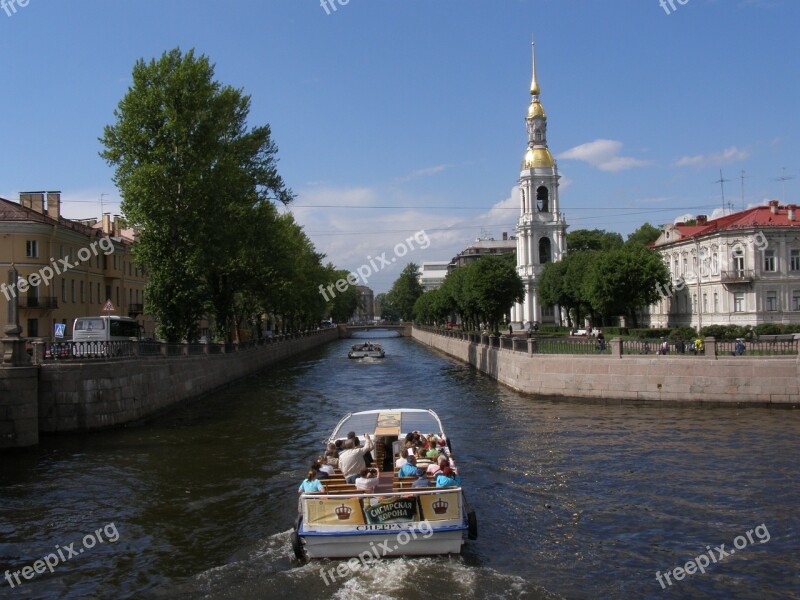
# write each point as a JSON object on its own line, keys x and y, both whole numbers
{"x": 536, "y": 110}
{"x": 538, "y": 158}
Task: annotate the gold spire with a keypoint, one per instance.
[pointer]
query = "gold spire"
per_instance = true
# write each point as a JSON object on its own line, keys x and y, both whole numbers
{"x": 534, "y": 83}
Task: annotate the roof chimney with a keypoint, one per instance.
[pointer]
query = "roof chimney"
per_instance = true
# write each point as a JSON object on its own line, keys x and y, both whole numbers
{"x": 505, "y": 235}
{"x": 106, "y": 224}
{"x": 773, "y": 206}
{"x": 702, "y": 219}
{"x": 790, "y": 209}
{"x": 54, "y": 205}
{"x": 32, "y": 200}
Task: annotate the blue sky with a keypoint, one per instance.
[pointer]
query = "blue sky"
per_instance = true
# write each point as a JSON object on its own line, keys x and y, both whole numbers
{"x": 409, "y": 114}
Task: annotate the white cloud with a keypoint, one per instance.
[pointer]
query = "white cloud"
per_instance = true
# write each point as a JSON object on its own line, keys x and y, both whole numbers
{"x": 604, "y": 155}
{"x": 425, "y": 172}
{"x": 732, "y": 154}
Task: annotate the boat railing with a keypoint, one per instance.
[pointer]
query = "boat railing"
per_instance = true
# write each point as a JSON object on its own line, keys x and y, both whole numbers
{"x": 368, "y": 493}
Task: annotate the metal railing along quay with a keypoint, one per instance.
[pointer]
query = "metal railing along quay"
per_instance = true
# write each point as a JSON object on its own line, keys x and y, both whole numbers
{"x": 543, "y": 344}
{"x": 45, "y": 352}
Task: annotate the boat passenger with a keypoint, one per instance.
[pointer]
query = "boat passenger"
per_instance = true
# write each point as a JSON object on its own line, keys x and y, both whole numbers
{"x": 409, "y": 469}
{"x": 447, "y": 478}
{"x": 317, "y": 467}
{"x": 311, "y": 484}
{"x": 436, "y": 467}
{"x": 351, "y": 458}
{"x": 401, "y": 460}
{"x": 422, "y": 480}
{"x": 368, "y": 480}
{"x": 422, "y": 459}
{"x": 325, "y": 467}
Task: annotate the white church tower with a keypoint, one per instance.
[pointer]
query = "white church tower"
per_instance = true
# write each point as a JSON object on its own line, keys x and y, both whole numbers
{"x": 541, "y": 230}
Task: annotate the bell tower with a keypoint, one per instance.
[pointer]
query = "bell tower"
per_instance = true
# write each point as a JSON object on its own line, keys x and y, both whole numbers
{"x": 541, "y": 229}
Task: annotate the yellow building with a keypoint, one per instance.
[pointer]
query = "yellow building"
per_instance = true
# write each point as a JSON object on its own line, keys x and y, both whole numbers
{"x": 66, "y": 269}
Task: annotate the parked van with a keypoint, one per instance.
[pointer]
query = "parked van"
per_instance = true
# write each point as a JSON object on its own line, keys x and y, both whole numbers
{"x": 105, "y": 329}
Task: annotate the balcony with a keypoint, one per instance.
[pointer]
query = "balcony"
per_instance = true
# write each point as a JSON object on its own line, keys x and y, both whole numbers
{"x": 135, "y": 309}
{"x": 46, "y": 303}
{"x": 745, "y": 276}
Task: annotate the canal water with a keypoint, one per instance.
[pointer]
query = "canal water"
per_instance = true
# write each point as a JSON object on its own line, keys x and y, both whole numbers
{"x": 574, "y": 500}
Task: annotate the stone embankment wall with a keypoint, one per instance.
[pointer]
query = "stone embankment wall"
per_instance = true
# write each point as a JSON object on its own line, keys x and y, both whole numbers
{"x": 771, "y": 381}
{"x": 63, "y": 396}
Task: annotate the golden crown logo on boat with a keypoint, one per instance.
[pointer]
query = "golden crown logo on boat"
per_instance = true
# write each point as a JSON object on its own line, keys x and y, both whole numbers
{"x": 440, "y": 506}
{"x": 343, "y": 512}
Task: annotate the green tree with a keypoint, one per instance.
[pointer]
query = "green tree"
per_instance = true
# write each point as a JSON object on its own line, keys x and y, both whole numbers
{"x": 624, "y": 281}
{"x": 388, "y": 309}
{"x": 644, "y": 236}
{"x": 593, "y": 239}
{"x": 405, "y": 291}
{"x": 191, "y": 176}
{"x": 493, "y": 285}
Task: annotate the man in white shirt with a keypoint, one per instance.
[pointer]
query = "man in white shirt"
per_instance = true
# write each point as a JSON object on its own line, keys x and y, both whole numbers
{"x": 351, "y": 459}
{"x": 368, "y": 480}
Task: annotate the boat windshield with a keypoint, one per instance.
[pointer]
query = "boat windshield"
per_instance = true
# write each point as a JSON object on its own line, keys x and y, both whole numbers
{"x": 421, "y": 421}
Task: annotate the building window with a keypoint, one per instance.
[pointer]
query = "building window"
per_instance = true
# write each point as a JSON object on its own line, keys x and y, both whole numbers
{"x": 32, "y": 249}
{"x": 685, "y": 266}
{"x": 772, "y": 301}
{"x": 72, "y": 289}
{"x": 794, "y": 260}
{"x": 705, "y": 303}
{"x": 769, "y": 261}
{"x": 715, "y": 264}
{"x": 542, "y": 201}
{"x": 108, "y": 293}
{"x": 676, "y": 268}
{"x": 544, "y": 250}
{"x": 738, "y": 302}
{"x": 83, "y": 295}
{"x": 63, "y": 290}
{"x": 33, "y": 327}
{"x": 796, "y": 300}
{"x": 716, "y": 302}
{"x": 738, "y": 262}
{"x": 91, "y": 294}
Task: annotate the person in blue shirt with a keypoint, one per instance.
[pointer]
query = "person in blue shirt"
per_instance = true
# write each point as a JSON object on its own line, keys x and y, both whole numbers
{"x": 409, "y": 469}
{"x": 311, "y": 484}
{"x": 422, "y": 480}
{"x": 447, "y": 478}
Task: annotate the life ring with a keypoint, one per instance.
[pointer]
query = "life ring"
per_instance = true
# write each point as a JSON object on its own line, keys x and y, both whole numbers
{"x": 472, "y": 525}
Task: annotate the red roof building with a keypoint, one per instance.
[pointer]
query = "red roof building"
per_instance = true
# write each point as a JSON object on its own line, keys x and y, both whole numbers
{"x": 742, "y": 268}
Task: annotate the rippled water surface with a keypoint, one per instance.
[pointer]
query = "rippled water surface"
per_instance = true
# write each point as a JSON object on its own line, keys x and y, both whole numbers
{"x": 574, "y": 500}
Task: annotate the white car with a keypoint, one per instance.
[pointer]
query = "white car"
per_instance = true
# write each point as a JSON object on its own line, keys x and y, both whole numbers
{"x": 594, "y": 332}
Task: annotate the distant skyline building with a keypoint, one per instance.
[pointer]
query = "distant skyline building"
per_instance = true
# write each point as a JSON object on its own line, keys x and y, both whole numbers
{"x": 432, "y": 274}
{"x": 483, "y": 246}
{"x": 541, "y": 229}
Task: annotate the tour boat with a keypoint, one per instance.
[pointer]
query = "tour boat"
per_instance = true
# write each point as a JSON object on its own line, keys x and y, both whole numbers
{"x": 393, "y": 520}
{"x": 366, "y": 350}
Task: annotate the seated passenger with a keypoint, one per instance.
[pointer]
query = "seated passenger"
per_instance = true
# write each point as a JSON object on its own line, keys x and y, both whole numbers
{"x": 421, "y": 481}
{"x": 317, "y": 468}
{"x": 409, "y": 469}
{"x": 325, "y": 467}
{"x": 401, "y": 460}
{"x": 332, "y": 458}
{"x": 447, "y": 478}
{"x": 368, "y": 480}
{"x": 435, "y": 468}
{"x": 311, "y": 484}
{"x": 422, "y": 460}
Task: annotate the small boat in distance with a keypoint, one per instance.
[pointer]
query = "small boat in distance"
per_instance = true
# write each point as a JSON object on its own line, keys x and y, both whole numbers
{"x": 366, "y": 350}
{"x": 394, "y": 517}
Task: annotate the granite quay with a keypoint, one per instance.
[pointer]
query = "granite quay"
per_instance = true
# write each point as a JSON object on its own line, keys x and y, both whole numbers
{"x": 628, "y": 371}
{"x": 80, "y": 393}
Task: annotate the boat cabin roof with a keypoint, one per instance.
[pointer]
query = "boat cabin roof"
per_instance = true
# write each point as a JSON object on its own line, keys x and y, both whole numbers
{"x": 389, "y": 422}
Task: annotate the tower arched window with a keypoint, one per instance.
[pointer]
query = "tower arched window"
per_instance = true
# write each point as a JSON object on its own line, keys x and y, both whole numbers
{"x": 524, "y": 208}
{"x": 542, "y": 199}
{"x": 544, "y": 251}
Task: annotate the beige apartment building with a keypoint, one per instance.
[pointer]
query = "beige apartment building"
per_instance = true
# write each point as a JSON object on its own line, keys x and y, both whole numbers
{"x": 66, "y": 269}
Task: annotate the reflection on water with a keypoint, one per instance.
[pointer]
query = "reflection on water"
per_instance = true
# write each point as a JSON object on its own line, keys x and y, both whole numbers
{"x": 575, "y": 500}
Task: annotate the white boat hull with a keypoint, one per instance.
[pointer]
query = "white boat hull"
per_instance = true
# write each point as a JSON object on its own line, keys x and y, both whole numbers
{"x": 382, "y": 545}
